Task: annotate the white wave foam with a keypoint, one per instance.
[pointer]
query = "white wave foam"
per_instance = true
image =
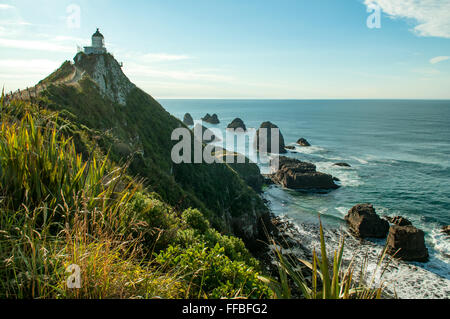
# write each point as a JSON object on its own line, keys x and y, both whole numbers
{"x": 309, "y": 149}
{"x": 348, "y": 176}
{"x": 343, "y": 211}
{"x": 441, "y": 243}
{"x": 360, "y": 160}
{"x": 405, "y": 280}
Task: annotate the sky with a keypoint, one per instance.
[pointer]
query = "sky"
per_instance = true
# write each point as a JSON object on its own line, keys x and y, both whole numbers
{"x": 241, "y": 49}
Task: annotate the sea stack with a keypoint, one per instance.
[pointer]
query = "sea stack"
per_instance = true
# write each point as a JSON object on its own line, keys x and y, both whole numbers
{"x": 407, "y": 243}
{"x": 398, "y": 220}
{"x": 188, "y": 120}
{"x": 294, "y": 174}
{"x": 214, "y": 119}
{"x": 303, "y": 142}
{"x": 237, "y": 124}
{"x": 267, "y": 139}
{"x": 365, "y": 223}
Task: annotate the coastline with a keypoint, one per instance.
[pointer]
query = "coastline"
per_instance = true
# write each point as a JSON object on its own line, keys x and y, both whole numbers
{"x": 403, "y": 280}
{"x": 398, "y": 176}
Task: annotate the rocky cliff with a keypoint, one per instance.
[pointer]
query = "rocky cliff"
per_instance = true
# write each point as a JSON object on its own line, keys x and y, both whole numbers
{"x": 132, "y": 127}
{"x": 107, "y": 73}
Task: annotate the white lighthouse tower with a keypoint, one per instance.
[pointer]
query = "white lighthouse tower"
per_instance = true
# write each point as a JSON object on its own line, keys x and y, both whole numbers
{"x": 98, "y": 44}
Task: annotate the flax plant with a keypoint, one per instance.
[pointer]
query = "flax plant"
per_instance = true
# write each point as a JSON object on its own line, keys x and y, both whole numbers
{"x": 329, "y": 280}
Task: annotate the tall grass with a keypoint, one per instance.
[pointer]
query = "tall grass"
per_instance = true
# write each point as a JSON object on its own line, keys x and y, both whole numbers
{"x": 113, "y": 265}
{"x": 38, "y": 164}
{"x": 329, "y": 278}
{"x": 57, "y": 210}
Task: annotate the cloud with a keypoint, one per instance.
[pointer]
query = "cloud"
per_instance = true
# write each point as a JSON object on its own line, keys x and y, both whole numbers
{"x": 439, "y": 59}
{"x": 10, "y": 16}
{"x": 36, "y": 45}
{"x": 427, "y": 72}
{"x": 22, "y": 73}
{"x": 6, "y": 6}
{"x": 432, "y": 17}
{"x": 28, "y": 65}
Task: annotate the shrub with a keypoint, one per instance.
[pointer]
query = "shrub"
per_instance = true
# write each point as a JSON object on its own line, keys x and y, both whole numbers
{"x": 159, "y": 224}
{"x": 212, "y": 274}
{"x": 60, "y": 208}
{"x": 196, "y": 220}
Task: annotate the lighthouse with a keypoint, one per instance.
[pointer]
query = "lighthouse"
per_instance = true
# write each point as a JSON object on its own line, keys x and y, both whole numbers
{"x": 98, "y": 44}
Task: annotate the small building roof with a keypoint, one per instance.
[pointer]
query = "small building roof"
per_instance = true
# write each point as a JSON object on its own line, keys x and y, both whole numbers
{"x": 98, "y": 34}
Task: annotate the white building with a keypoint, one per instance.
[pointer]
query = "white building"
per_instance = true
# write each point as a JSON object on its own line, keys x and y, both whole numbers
{"x": 98, "y": 44}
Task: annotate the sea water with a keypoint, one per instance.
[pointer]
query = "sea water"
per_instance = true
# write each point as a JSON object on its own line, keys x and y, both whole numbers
{"x": 399, "y": 152}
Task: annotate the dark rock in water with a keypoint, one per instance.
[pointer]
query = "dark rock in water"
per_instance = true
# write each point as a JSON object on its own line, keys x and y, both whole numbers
{"x": 365, "y": 223}
{"x": 342, "y": 164}
{"x": 292, "y": 148}
{"x": 188, "y": 120}
{"x": 303, "y": 142}
{"x": 295, "y": 174}
{"x": 336, "y": 179}
{"x": 446, "y": 229}
{"x": 207, "y": 132}
{"x": 398, "y": 220}
{"x": 407, "y": 243}
{"x": 267, "y": 139}
{"x": 214, "y": 119}
{"x": 237, "y": 124}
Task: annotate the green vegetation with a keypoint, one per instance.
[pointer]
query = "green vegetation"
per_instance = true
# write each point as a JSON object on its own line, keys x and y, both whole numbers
{"x": 63, "y": 72}
{"x": 141, "y": 132}
{"x": 85, "y": 181}
{"x": 58, "y": 209}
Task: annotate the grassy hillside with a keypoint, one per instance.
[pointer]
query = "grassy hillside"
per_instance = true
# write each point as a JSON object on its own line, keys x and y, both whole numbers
{"x": 60, "y": 208}
{"x": 62, "y": 73}
{"x": 88, "y": 181}
{"x": 140, "y": 132}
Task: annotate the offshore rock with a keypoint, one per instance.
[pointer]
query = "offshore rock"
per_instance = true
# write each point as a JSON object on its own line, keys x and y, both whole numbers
{"x": 188, "y": 120}
{"x": 407, "y": 243}
{"x": 294, "y": 174}
{"x": 303, "y": 142}
{"x": 267, "y": 139}
{"x": 398, "y": 220}
{"x": 237, "y": 124}
{"x": 214, "y": 119}
{"x": 365, "y": 223}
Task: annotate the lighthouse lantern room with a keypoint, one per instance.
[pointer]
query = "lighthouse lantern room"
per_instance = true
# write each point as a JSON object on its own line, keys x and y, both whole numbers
{"x": 98, "y": 44}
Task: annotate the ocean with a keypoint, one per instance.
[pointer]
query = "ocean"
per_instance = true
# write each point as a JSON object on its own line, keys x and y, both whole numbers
{"x": 399, "y": 152}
